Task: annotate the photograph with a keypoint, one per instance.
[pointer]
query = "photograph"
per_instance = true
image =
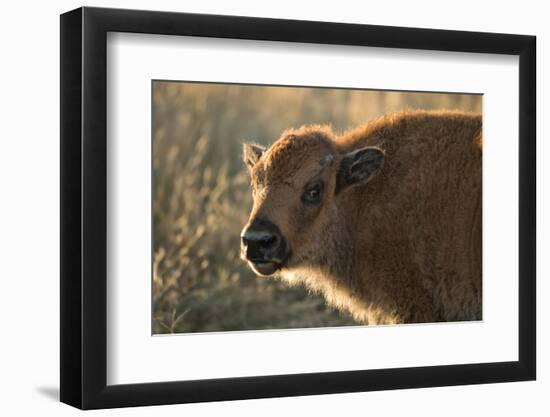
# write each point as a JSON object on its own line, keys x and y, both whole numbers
{"x": 259, "y": 206}
{"x": 295, "y": 207}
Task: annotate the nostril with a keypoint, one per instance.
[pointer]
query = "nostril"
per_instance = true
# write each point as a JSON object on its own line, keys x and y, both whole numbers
{"x": 269, "y": 241}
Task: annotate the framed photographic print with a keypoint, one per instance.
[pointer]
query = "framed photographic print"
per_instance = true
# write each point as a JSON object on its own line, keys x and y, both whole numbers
{"x": 257, "y": 207}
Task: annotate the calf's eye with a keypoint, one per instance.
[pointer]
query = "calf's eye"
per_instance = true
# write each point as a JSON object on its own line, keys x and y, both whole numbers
{"x": 313, "y": 194}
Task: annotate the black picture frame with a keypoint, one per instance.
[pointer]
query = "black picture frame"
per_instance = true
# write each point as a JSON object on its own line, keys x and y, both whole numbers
{"x": 84, "y": 207}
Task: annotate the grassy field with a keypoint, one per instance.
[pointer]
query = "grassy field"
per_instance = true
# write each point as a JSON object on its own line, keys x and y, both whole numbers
{"x": 201, "y": 197}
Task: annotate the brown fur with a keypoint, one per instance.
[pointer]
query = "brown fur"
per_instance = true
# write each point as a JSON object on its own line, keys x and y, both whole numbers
{"x": 403, "y": 248}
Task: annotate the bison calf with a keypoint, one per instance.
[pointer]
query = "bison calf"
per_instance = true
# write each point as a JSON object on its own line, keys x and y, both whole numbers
{"x": 383, "y": 220}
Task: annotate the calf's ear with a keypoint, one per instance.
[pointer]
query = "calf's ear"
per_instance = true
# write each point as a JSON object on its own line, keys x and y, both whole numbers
{"x": 251, "y": 154}
{"x": 359, "y": 167}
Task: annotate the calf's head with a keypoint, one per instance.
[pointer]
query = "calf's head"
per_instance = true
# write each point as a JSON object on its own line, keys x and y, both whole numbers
{"x": 297, "y": 185}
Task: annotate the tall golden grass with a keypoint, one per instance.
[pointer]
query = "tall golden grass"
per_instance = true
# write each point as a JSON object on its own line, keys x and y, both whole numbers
{"x": 201, "y": 198}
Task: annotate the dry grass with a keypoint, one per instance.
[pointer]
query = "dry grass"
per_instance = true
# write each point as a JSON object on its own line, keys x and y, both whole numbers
{"x": 201, "y": 198}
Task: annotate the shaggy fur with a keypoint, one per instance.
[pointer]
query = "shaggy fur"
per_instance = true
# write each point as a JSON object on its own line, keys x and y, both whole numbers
{"x": 405, "y": 247}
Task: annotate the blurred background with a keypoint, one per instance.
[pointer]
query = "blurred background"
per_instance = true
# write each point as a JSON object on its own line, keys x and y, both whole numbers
{"x": 201, "y": 197}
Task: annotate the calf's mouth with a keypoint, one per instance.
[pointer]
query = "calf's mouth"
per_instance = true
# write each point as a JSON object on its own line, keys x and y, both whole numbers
{"x": 264, "y": 268}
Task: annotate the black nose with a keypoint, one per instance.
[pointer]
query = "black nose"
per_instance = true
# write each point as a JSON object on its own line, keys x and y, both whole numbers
{"x": 262, "y": 242}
